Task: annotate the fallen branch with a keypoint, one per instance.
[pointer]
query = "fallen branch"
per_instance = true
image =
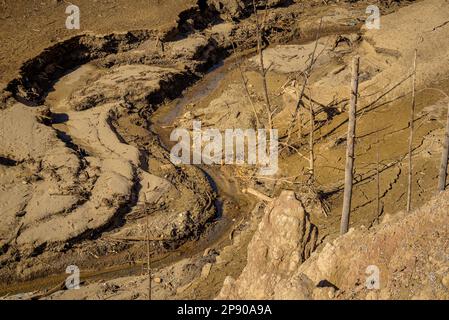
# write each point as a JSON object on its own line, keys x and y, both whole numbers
{"x": 59, "y": 287}
{"x": 258, "y": 194}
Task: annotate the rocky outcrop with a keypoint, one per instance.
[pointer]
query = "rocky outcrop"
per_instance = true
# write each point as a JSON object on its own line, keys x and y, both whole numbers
{"x": 284, "y": 239}
{"x": 408, "y": 252}
{"x": 405, "y": 257}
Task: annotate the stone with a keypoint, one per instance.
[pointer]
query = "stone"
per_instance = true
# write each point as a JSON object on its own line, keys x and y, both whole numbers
{"x": 284, "y": 239}
{"x": 157, "y": 280}
{"x": 445, "y": 281}
{"x": 206, "y": 270}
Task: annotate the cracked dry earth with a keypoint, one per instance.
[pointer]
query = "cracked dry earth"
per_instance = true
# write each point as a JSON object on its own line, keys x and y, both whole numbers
{"x": 85, "y": 170}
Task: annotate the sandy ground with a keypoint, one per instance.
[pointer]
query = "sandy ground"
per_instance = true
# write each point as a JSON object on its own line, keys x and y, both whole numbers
{"x": 87, "y": 166}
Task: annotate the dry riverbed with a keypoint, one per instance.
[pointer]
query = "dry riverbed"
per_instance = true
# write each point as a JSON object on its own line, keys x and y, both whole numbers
{"x": 85, "y": 171}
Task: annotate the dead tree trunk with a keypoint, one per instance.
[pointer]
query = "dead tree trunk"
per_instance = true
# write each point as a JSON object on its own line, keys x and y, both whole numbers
{"x": 147, "y": 236}
{"x": 311, "y": 151}
{"x": 410, "y": 140}
{"x": 245, "y": 86}
{"x": 263, "y": 71}
{"x": 444, "y": 156}
{"x": 349, "y": 169}
{"x": 307, "y": 73}
{"x": 377, "y": 175}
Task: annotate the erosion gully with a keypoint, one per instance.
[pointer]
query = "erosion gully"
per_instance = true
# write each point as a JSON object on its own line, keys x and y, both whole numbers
{"x": 216, "y": 235}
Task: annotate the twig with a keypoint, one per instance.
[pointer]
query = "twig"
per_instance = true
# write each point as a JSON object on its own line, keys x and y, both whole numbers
{"x": 295, "y": 149}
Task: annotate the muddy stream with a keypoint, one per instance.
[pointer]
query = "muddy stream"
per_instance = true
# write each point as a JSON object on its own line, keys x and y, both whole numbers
{"x": 215, "y": 235}
{"x": 217, "y": 232}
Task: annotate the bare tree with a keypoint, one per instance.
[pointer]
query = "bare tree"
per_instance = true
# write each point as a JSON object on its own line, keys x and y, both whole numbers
{"x": 410, "y": 140}
{"x": 306, "y": 75}
{"x": 147, "y": 240}
{"x": 245, "y": 86}
{"x": 377, "y": 176}
{"x": 263, "y": 71}
{"x": 349, "y": 168}
{"x": 444, "y": 156}
{"x": 311, "y": 142}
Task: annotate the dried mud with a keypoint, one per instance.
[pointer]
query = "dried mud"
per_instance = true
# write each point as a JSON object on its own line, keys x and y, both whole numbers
{"x": 84, "y": 158}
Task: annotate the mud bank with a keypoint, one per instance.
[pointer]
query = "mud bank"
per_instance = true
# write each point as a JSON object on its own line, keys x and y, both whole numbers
{"x": 88, "y": 181}
{"x": 38, "y": 74}
{"x": 100, "y": 176}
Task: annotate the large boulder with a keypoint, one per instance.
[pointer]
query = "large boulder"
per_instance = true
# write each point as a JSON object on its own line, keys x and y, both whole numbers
{"x": 284, "y": 239}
